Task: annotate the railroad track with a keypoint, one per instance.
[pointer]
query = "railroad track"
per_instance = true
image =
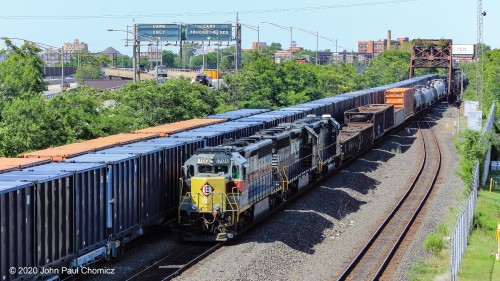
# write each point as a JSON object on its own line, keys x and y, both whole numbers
{"x": 371, "y": 262}
{"x": 174, "y": 263}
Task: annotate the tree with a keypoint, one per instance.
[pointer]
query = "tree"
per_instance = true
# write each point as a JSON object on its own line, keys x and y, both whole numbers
{"x": 389, "y": 67}
{"x": 88, "y": 72}
{"x": 169, "y": 59}
{"x": 21, "y": 72}
{"x": 90, "y": 66}
{"x": 210, "y": 61}
{"x": 124, "y": 62}
{"x": 491, "y": 80}
{"x": 27, "y": 124}
{"x": 83, "y": 115}
{"x": 149, "y": 103}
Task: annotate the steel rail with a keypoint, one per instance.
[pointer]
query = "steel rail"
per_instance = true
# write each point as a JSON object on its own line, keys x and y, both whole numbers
{"x": 388, "y": 258}
{"x": 348, "y": 270}
{"x": 167, "y": 272}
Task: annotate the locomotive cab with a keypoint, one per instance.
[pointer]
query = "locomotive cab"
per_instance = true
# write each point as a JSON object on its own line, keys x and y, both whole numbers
{"x": 213, "y": 192}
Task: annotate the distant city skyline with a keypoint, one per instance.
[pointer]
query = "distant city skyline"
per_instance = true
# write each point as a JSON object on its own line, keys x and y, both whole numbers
{"x": 348, "y": 23}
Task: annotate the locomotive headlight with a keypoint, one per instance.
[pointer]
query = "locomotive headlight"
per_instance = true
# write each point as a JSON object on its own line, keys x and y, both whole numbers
{"x": 193, "y": 207}
{"x": 217, "y": 207}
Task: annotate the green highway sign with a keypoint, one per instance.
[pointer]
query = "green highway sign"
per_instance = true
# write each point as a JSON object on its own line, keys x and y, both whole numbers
{"x": 162, "y": 32}
{"x": 209, "y": 32}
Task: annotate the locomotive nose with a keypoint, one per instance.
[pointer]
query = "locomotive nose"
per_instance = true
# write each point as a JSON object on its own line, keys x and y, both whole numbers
{"x": 208, "y": 193}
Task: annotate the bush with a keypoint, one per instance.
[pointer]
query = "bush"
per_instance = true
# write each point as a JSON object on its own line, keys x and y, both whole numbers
{"x": 435, "y": 243}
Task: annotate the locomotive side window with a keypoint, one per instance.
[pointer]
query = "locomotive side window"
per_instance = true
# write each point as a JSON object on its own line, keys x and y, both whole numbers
{"x": 190, "y": 171}
{"x": 221, "y": 169}
{"x": 235, "y": 173}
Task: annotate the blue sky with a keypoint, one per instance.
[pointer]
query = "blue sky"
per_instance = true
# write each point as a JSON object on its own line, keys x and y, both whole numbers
{"x": 55, "y": 22}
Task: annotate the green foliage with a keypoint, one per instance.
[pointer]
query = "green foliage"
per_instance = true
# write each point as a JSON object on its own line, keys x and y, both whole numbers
{"x": 491, "y": 80}
{"x": 83, "y": 116}
{"x": 21, "y": 72}
{"x": 88, "y": 72}
{"x": 487, "y": 212}
{"x": 264, "y": 84}
{"x": 124, "y": 62}
{"x": 96, "y": 61}
{"x": 478, "y": 262}
{"x": 210, "y": 61}
{"x": 434, "y": 243}
{"x": 471, "y": 147}
{"x": 169, "y": 59}
{"x": 149, "y": 103}
{"x": 27, "y": 124}
{"x": 389, "y": 67}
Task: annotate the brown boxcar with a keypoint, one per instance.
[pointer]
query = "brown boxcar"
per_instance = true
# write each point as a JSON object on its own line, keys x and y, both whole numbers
{"x": 401, "y": 98}
{"x": 66, "y": 151}
{"x": 172, "y": 128}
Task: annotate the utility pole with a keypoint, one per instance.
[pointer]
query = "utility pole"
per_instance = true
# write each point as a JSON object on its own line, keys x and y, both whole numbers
{"x": 479, "y": 51}
{"x": 238, "y": 43}
{"x": 134, "y": 52}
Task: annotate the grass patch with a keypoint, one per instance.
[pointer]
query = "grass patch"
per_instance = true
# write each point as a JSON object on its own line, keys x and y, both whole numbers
{"x": 478, "y": 262}
{"x": 428, "y": 270}
{"x": 435, "y": 243}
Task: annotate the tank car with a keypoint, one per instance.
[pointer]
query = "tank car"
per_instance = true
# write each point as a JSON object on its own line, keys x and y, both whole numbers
{"x": 224, "y": 184}
{"x": 440, "y": 87}
{"x": 418, "y": 101}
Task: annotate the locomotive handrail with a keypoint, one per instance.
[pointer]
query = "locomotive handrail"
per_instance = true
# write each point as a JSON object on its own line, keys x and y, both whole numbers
{"x": 285, "y": 177}
{"x": 181, "y": 200}
{"x": 320, "y": 161}
{"x": 231, "y": 205}
{"x": 282, "y": 182}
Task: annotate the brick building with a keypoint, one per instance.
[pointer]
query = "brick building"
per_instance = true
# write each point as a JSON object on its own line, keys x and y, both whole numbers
{"x": 378, "y": 46}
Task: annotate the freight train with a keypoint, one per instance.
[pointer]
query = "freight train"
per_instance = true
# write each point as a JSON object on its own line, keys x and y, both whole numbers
{"x": 228, "y": 185}
{"x": 98, "y": 195}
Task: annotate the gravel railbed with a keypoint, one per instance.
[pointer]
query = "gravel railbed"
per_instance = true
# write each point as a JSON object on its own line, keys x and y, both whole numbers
{"x": 138, "y": 255}
{"x": 316, "y": 237}
{"x": 446, "y": 193}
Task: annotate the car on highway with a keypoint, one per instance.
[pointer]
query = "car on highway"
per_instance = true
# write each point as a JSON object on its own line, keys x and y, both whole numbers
{"x": 143, "y": 68}
{"x": 162, "y": 70}
{"x": 65, "y": 84}
{"x": 204, "y": 79}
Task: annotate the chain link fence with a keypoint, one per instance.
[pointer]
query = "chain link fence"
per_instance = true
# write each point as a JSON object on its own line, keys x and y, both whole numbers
{"x": 488, "y": 126}
{"x": 462, "y": 227}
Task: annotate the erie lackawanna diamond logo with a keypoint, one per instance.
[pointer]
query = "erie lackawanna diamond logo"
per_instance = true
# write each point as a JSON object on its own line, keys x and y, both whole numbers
{"x": 207, "y": 189}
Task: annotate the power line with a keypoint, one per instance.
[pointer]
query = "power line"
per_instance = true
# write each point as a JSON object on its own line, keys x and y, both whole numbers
{"x": 259, "y": 11}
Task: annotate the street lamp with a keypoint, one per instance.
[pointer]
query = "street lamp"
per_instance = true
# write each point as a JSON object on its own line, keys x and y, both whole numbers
{"x": 134, "y": 53}
{"x": 289, "y": 28}
{"x": 41, "y": 45}
{"x": 317, "y": 39}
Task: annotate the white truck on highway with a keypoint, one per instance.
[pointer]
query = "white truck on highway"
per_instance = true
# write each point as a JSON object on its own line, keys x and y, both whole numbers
{"x": 162, "y": 70}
